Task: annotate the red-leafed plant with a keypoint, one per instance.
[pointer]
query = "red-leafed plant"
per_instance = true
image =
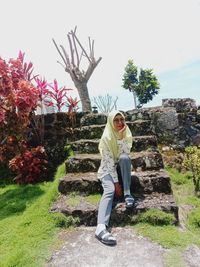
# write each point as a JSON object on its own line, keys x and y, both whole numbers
{"x": 72, "y": 104}
{"x": 20, "y": 94}
{"x": 30, "y": 165}
{"x": 18, "y": 100}
{"x": 58, "y": 95}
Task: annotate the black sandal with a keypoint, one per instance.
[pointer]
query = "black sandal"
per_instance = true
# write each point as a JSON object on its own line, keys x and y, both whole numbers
{"x": 106, "y": 238}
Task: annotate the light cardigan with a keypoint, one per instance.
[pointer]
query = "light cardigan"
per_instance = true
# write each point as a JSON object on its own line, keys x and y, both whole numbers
{"x": 108, "y": 165}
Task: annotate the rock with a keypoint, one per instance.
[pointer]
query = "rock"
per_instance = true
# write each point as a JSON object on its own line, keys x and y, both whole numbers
{"x": 90, "y": 146}
{"x": 181, "y": 104}
{"x": 145, "y": 182}
{"x": 192, "y": 256}
{"x": 87, "y": 212}
{"x": 79, "y": 248}
{"x": 91, "y": 119}
{"x": 143, "y": 160}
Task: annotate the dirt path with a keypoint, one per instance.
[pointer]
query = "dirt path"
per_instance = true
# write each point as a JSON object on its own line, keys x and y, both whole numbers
{"x": 81, "y": 249}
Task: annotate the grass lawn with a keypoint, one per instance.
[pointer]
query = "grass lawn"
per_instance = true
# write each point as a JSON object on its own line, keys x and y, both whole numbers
{"x": 27, "y": 229}
{"x": 172, "y": 237}
{"x": 28, "y": 232}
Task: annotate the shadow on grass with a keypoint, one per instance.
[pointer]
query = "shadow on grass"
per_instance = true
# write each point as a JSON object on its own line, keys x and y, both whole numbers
{"x": 15, "y": 201}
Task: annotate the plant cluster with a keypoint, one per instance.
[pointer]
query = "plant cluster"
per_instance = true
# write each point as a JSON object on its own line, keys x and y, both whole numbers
{"x": 192, "y": 163}
{"x": 20, "y": 94}
{"x": 156, "y": 217}
{"x": 29, "y": 165}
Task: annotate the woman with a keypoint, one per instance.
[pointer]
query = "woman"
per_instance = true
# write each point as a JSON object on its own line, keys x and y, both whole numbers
{"x": 114, "y": 147}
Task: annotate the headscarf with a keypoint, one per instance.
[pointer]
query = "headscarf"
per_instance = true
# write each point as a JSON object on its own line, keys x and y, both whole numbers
{"x": 108, "y": 140}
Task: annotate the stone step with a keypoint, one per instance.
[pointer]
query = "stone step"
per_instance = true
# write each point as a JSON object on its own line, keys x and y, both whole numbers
{"x": 141, "y": 161}
{"x": 138, "y": 127}
{"x": 145, "y": 182}
{"x": 146, "y": 142}
{"x": 93, "y": 119}
{"x": 86, "y": 211}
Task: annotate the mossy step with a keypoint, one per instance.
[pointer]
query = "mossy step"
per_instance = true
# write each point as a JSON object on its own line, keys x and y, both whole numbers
{"x": 141, "y": 182}
{"x": 85, "y": 211}
{"x": 141, "y": 161}
{"x": 146, "y": 142}
{"x": 138, "y": 127}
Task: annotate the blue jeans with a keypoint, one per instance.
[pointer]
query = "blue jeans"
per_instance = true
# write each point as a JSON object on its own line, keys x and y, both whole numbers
{"x": 105, "y": 206}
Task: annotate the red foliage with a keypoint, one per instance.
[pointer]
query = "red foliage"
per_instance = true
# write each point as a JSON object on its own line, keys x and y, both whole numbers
{"x": 18, "y": 99}
{"x": 57, "y": 94}
{"x": 17, "y": 94}
{"x": 72, "y": 104}
{"x": 30, "y": 166}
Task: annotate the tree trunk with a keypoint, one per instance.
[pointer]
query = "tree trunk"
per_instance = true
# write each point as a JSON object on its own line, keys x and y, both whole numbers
{"x": 84, "y": 96}
{"x": 134, "y": 98}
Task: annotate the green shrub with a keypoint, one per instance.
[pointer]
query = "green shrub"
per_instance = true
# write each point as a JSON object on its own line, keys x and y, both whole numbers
{"x": 156, "y": 217}
{"x": 192, "y": 163}
{"x": 194, "y": 218}
{"x": 63, "y": 221}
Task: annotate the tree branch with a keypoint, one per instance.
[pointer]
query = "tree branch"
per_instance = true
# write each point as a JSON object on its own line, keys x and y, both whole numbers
{"x": 71, "y": 49}
{"x": 82, "y": 48}
{"x": 59, "y": 52}
{"x": 68, "y": 66}
{"x": 76, "y": 51}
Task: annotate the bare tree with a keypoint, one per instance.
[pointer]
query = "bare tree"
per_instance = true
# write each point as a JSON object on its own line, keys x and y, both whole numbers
{"x": 105, "y": 103}
{"x": 71, "y": 64}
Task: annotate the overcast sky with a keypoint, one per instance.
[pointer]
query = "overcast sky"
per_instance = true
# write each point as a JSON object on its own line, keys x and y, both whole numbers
{"x": 158, "y": 34}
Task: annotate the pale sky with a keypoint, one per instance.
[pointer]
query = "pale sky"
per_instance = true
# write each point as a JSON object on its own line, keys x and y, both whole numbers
{"x": 158, "y": 34}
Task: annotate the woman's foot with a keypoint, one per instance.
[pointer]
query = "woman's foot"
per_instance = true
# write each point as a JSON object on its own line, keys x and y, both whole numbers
{"x": 130, "y": 201}
{"x": 106, "y": 238}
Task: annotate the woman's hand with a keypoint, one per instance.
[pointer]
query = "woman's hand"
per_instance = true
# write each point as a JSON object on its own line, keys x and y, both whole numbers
{"x": 118, "y": 190}
{"x": 121, "y": 132}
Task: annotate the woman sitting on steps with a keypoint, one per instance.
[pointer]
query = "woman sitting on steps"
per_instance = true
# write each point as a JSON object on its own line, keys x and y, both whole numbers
{"x": 114, "y": 147}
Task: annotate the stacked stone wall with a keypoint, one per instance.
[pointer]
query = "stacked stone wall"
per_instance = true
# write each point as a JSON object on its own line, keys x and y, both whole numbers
{"x": 176, "y": 123}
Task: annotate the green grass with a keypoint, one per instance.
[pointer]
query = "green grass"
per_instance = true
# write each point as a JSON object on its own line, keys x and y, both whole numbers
{"x": 170, "y": 236}
{"x": 93, "y": 199}
{"x": 27, "y": 229}
{"x": 75, "y": 199}
{"x": 28, "y": 232}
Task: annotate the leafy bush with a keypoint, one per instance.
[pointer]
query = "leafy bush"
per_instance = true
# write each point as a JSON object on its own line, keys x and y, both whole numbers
{"x": 177, "y": 177}
{"x": 20, "y": 94}
{"x": 194, "y": 218}
{"x": 31, "y": 166}
{"x": 192, "y": 163}
{"x": 156, "y": 217}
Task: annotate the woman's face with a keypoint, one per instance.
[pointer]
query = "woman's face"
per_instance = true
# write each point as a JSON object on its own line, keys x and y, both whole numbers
{"x": 118, "y": 122}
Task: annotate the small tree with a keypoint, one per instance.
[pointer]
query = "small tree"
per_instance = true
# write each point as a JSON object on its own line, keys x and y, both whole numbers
{"x": 192, "y": 163}
{"x": 72, "y": 65}
{"x": 143, "y": 87}
{"x": 130, "y": 80}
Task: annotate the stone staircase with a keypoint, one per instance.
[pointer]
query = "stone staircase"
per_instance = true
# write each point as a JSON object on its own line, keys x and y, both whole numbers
{"x": 150, "y": 183}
